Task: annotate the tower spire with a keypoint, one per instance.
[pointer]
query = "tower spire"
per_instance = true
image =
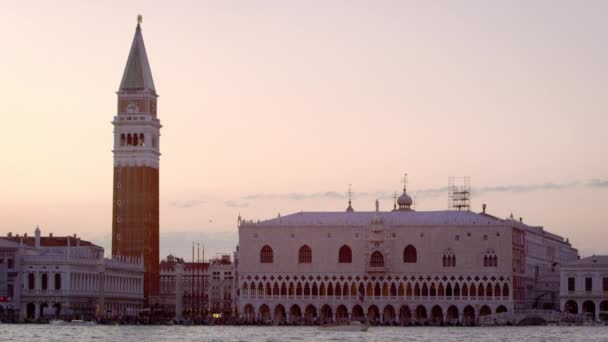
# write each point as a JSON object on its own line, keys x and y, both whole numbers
{"x": 350, "y": 195}
{"x": 137, "y": 74}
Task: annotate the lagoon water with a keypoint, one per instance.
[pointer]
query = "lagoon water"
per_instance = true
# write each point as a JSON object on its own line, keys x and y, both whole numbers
{"x": 41, "y": 332}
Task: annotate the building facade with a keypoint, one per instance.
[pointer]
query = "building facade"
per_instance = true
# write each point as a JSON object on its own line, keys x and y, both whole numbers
{"x": 197, "y": 290}
{"x": 584, "y": 287}
{"x": 69, "y": 278}
{"x": 395, "y": 267}
{"x": 135, "y": 203}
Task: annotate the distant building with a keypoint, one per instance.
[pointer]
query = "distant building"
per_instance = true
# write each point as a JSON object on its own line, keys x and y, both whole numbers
{"x": 67, "y": 277}
{"x": 196, "y": 290}
{"x": 400, "y": 266}
{"x": 584, "y": 287}
{"x": 135, "y": 206}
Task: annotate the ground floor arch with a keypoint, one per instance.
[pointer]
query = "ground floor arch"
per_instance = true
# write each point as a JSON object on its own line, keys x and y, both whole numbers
{"x": 421, "y": 315}
{"x": 327, "y": 314}
{"x": 388, "y": 314}
{"x": 264, "y": 313}
{"x": 358, "y": 313}
{"x": 279, "y": 314}
{"x": 341, "y": 313}
{"x": 485, "y": 311}
{"x": 571, "y": 306}
{"x": 405, "y": 315}
{"x": 452, "y": 314}
{"x": 310, "y": 314}
{"x": 468, "y": 315}
{"x": 501, "y": 309}
{"x": 295, "y": 314}
{"x": 437, "y": 315}
{"x": 589, "y": 308}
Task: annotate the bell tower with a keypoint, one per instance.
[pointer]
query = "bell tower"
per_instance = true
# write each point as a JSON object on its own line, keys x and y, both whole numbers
{"x": 135, "y": 203}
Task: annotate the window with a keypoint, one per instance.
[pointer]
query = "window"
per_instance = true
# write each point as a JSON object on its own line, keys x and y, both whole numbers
{"x": 305, "y": 255}
{"x": 377, "y": 260}
{"x": 449, "y": 259}
{"x": 490, "y": 259}
{"x": 345, "y": 255}
{"x": 266, "y": 255}
{"x": 605, "y": 284}
{"x": 571, "y": 284}
{"x": 57, "y": 281}
{"x": 9, "y": 264}
{"x": 45, "y": 281}
{"x": 31, "y": 281}
{"x": 588, "y": 284}
{"x": 409, "y": 254}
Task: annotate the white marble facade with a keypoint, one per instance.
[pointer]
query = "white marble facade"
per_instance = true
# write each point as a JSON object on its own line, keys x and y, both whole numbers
{"x": 67, "y": 277}
{"x": 400, "y": 266}
{"x": 584, "y": 287}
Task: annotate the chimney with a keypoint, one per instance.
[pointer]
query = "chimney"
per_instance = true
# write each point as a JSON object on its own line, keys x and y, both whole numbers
{"x": 521, "y": 220}
{"x": 50, "y": 235}
{"x": 483, "y": 207}
{"x": 10, "y": 234}
{"x": 24, "y": 234}
{"x": 37, "y": 237}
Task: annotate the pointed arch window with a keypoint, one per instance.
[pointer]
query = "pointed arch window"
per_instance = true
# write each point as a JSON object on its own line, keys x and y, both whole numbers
{"x": 345, "y": 255}
{"x": 377, "y": 259}
{"x": 266, "y": 255}
{"x": 490, "y": 259}
{"x": 449, "y": 259}
{"x": 410, "y": 254}
{"x": 305, "y": 255}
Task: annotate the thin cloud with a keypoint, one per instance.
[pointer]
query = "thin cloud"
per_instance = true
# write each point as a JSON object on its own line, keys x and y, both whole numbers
{"x": 598, "y": 183}
{"x": 428, "y": 192}
{"x": 233, "y": 204}
{"x": 186, "y": 204}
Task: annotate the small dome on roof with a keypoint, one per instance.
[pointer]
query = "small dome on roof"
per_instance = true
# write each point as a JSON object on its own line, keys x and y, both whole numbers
{"x": 404, "y": 200}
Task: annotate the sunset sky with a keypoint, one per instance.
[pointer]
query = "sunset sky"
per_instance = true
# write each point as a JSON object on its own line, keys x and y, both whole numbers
{"x": 277, "y": 106}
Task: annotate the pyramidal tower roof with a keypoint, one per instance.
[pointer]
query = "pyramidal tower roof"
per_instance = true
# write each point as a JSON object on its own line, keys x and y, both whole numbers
{"x": 137, "y": 74}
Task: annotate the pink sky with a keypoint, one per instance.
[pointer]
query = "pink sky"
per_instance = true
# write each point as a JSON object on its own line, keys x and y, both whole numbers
{"x": 276, "y": 98}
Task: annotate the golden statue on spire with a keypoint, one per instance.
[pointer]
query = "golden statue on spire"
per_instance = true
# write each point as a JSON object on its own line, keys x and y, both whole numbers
{"x": 139, "y": 19}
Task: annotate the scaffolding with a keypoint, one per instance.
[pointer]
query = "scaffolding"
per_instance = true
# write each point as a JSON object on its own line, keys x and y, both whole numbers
{"x": 459, "y": 193}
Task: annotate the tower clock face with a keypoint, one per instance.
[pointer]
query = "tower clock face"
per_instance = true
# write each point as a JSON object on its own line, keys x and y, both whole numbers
{"x": 132, "y": 108}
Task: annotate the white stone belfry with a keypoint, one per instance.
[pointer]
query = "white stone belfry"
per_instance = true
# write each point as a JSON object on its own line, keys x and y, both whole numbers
{"x": 136, "y": 127}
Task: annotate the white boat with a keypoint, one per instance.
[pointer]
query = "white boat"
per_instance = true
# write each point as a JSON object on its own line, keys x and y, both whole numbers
{"x": 348, "y": 326}
{"x": 58, "y": 322}
{"x": 81, "y": 322}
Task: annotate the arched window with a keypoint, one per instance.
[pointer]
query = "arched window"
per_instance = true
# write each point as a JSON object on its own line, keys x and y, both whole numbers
{"x": 135, "y": 140}
{"x": 377, "y": 259}
{"x": 490, "y": 259}
{"x": 449, "y": 259}
{"x": 123, "y": 140}
{"x": 129, "y": 140}
{"x": 141, "y": 139}
{"x": 345, "y": 255}
{"x": 409, "y": 254}
{"x": 266, "y": 255}
{"x": 305, "y": 255}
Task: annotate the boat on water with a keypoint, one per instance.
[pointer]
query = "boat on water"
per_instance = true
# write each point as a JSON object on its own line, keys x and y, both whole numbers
{"x": 57, "y": 322}
{"x": 347, "y": 326}
{"x": 81, "y": 322}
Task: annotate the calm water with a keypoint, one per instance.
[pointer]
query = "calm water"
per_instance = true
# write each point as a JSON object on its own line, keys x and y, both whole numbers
{"x": 9, "y": 332}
